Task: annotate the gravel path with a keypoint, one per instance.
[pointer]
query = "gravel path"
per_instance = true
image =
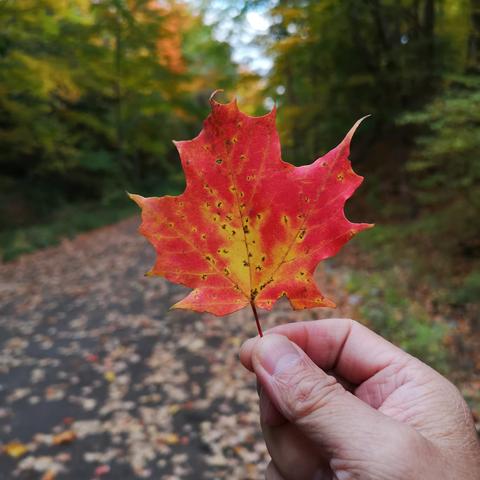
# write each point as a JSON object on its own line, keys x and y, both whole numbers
{"x": 99, "y": 380}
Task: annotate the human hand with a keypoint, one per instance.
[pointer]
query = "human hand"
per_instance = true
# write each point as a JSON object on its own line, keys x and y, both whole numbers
{"x": 339, "y": 402}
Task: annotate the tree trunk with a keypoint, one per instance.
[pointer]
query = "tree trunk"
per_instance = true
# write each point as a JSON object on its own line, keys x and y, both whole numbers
{"x": 474, "y": 39}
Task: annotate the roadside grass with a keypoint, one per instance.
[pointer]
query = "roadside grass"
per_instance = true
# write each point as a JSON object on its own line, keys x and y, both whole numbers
{"x": 72, "y": 219}
{"x": 417, "y": 289}
{"x": 65, "y": 223}
{"x": 385, "y": 305}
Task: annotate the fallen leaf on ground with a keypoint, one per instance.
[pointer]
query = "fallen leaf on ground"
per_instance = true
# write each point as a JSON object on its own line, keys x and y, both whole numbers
{"x": 169, "y": 438}
{"x": 110, "y": 376}
{"x": 49, "y": 475}
{"x": 15, "y": 449}
{"x": 101, "y": 470}
{"x": 64, "y": 438}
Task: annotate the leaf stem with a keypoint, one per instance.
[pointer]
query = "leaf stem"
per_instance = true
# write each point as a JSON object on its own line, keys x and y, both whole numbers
{"x": 257, "y": 321}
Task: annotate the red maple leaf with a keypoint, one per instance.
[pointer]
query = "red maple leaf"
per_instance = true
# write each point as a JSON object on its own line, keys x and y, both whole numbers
{"x": 249, "y": 227}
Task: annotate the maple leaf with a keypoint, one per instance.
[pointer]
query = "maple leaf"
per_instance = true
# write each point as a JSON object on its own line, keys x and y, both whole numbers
{"x": 64, "y": 437}
{"x": 15, "y": 449}
{"x": 249, "y": 227}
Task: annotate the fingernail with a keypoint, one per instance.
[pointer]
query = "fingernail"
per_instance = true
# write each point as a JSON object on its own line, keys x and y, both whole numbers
{"x": 276, "y": 353}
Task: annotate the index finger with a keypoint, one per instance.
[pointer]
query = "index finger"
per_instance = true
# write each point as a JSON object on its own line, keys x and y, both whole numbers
{"x": 340, "y": 345}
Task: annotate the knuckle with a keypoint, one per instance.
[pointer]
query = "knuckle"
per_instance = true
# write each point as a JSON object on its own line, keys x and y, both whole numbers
{"x": 305, "y": 391}
{"x": 354, "y": 323}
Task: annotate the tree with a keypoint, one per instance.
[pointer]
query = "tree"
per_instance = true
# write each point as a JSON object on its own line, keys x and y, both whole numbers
{"x": 91, "y": 95}
{"x": 338, "y": 60}
{"x": 445, "y": 163}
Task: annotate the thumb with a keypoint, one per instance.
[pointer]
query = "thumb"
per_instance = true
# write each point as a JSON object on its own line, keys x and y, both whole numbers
{"x": 316, "y": 402}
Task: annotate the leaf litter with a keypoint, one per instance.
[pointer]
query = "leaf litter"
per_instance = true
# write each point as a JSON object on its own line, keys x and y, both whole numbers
{"x": 178, "y": 405}
{"x": 99, "y": 379}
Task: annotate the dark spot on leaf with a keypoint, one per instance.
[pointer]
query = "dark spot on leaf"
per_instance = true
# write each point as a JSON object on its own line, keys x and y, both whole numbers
{"x": 204, "y": 277}
{"x": 245, "y": 263}
{"x": 246, "y": 229}
{"x": 263, "y": 285}
{"x": 218, "y": 161}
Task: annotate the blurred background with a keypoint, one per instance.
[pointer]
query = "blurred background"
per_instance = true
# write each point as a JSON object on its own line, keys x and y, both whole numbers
{"x": 98, "y": 379}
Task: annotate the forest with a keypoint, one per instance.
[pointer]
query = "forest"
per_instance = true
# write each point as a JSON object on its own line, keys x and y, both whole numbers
{"x": 92, "y": 94}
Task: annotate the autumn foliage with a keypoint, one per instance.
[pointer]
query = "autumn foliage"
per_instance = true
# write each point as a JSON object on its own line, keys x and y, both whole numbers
{"x": 249, "y": 227}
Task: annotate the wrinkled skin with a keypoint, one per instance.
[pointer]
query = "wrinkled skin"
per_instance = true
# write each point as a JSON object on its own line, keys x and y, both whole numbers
{"x": 339, "y": 402}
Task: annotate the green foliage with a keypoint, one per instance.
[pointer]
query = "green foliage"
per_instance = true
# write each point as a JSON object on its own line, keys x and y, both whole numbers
{"x": 468, "y": 291}
{"x": 65, "y": 223}
{"x": 447, "y": 158}
{"x": 388, "y": 307}
{"x": 336, "y": 61}
{"x": 445, "y": 165}
{"x": 74, "y": 218}
{"x": 91, "y": 94}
